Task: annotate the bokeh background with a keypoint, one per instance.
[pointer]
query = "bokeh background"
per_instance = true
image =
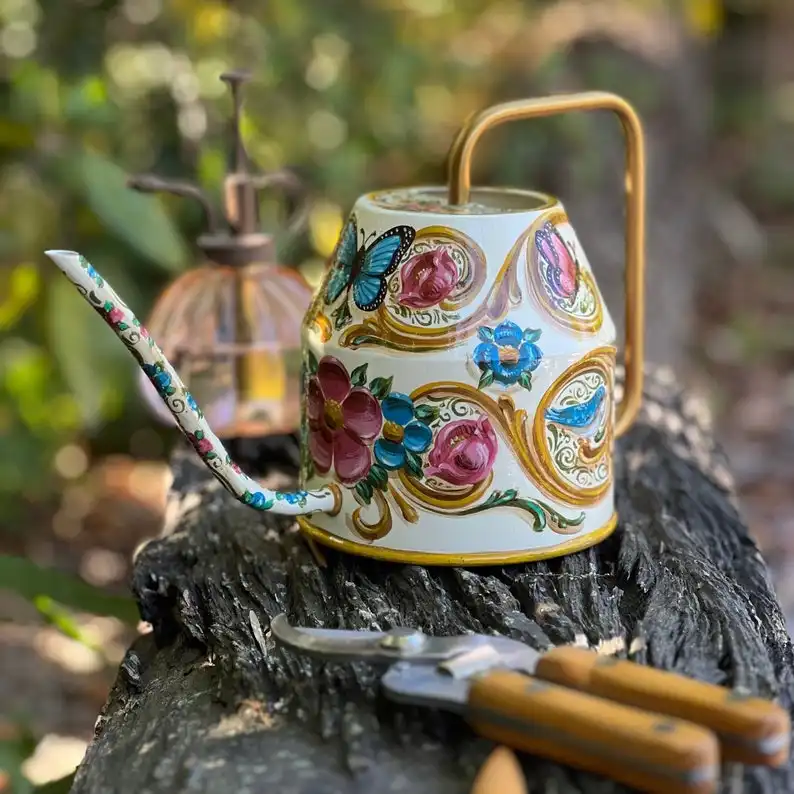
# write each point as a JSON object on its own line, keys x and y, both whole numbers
{"x": 354, "y": 95}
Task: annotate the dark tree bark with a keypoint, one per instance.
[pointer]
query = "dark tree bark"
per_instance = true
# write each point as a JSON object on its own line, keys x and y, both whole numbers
{"x": 205, "y": 703}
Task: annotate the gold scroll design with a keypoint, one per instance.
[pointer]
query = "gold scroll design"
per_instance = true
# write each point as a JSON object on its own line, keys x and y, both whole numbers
{"x": 511, "y": 425}
{"x": 383, "y": 523}
{"x": 584, "y": 324}
{"x": 385, "y": 329}
{"x": 600, "y": 362}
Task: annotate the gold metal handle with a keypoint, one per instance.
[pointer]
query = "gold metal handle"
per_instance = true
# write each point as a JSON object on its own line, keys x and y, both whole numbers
{"x": 460, "y": 184}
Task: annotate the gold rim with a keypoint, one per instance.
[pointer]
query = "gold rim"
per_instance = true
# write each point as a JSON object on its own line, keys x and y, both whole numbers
{"x": 313, "y": 532}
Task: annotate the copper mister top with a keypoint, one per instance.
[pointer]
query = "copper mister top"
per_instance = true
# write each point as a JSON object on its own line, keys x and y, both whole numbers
{"x": 234, "y": 237}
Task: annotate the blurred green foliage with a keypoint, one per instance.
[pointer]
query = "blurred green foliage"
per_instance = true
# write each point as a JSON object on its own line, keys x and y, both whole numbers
{"x": 46, "y": 589}
{"x": 355, "y": 94}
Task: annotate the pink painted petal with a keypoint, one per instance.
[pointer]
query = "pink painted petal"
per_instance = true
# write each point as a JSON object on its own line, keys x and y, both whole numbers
{"x": 321, "y": 449}
{"x": 333, "y": 378}
{"x": 314, "y": 400}
{"x": 352, "y": 459}
{"x": 362, "y": 415}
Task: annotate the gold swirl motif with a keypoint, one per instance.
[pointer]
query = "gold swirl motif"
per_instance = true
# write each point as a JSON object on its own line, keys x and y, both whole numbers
{"x": 406, "y": 508}
{"x": 381, "y": 527}
{"x": 600, "y": 366}
{"x": 529, "y": 447}
{"x": 447, "y": 500}
{"x": 581, "y": 321}
{"x": 387, "y": 330}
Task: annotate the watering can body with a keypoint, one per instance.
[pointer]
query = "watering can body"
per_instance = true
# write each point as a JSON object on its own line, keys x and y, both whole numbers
{"x": 460, "y": 392}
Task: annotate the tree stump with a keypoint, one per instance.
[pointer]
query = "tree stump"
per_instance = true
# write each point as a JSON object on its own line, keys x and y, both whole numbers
{"x": 206, "y": 703}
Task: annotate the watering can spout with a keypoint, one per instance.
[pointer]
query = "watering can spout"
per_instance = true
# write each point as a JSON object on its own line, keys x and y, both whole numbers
{"x": 98, "y": 292}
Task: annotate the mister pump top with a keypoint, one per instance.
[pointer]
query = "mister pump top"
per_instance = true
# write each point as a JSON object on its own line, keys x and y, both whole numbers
{"x": 232, "y": 324}
{"x": 234, "y": 237}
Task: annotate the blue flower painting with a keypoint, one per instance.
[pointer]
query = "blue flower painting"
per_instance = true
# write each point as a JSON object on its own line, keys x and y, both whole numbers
{"x": 507, "y": 355}
{"x": 404, "y": 436}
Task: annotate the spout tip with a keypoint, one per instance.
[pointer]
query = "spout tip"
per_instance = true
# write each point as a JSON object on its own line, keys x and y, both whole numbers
{"x": 54, "y": 252}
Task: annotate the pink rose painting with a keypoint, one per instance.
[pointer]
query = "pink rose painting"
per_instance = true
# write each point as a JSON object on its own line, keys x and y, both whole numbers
{"x": 464, "y": 452}
{"x": 427, "y": 279}
{"x": 202, "y": 445}
{"x": 344, "y": 422}
{"x": 114, "y": 316}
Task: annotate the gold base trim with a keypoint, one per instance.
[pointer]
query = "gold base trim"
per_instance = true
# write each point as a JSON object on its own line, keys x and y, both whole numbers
{"x": 313, "y": 532}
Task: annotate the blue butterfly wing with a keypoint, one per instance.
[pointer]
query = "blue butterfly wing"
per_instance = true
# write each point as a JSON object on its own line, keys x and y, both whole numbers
{"x": 380, "y": 261}
{"x": 344, "y": 257}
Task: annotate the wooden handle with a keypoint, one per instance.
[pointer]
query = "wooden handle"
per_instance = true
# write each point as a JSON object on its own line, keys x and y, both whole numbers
{"x": 500, "y": 774}
{"x": 647, "y": 751}
{"x": 751, "y": 730}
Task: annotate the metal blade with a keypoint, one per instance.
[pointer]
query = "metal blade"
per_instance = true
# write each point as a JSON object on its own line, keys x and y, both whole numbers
{"x": 420, "y": 685}
{"x": 341, "y": 645}
{"x": 457, "y": 657}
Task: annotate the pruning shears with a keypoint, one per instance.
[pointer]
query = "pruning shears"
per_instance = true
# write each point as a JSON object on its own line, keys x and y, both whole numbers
{"x": 651, "y": 729}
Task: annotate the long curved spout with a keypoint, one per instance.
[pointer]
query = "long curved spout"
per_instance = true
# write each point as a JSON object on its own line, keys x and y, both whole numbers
{"x": 186, "y": 412}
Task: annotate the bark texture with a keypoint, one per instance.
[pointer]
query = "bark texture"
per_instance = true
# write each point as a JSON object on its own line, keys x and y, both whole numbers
{"x": 205, "y": 704}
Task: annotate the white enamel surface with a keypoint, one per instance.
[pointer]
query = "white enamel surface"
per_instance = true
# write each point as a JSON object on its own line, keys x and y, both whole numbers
{"x": 502, "y": 529}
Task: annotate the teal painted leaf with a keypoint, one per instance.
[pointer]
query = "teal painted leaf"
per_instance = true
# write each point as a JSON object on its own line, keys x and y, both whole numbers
{"x": 485, "y": 333}
{"x": 364, "y": 490}
{"x": 378, "y": 477}
{"x": 486, "y": 379}
{"x": 525, "y": 380}
{"x": 358, "y": 377}
{"x": 341, "y": 316}
{"x": 380, "y": 387}
{"x": 413, "y": 463}
{"x": 426, "y": 413}
{"x": 531, "y": 335}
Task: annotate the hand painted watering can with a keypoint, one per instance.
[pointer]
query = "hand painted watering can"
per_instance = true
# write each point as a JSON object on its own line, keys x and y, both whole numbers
{"x": 458, "y": 368}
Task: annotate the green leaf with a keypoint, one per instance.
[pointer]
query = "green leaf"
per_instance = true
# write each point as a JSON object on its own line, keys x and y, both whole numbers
{"x": 380, "y": 387}
{"x": 358, "y": 377}
{"x": 414, "y": 465}
{"x": 486, "y": 379}
{"x": 341, "y": 316}
{"x": 535, "y": 510}
{"x": 364, "y": 490}
{"x": 531, "y": 335}
{"x": 525, "y": 380}
{"x": 378, "y": 477}
{"x": 485, "y": 333}
{"x": 312, "y": 361}
{"x": 32, "y": 581}
{"x": 426, "y": 413}
{"x": 139, "y": 219}
{"x": 74, "y": 333}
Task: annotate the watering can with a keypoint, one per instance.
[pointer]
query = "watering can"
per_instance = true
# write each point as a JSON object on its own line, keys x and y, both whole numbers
{"x": 458, "y": 380}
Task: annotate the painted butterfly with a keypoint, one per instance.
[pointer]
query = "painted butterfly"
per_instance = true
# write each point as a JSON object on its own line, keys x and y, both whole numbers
{"x": 562, "y": 269}
{"x": 364, "y": 270}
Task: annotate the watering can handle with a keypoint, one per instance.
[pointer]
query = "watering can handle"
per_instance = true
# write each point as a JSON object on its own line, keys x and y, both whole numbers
{"x": 460, "y": 156}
